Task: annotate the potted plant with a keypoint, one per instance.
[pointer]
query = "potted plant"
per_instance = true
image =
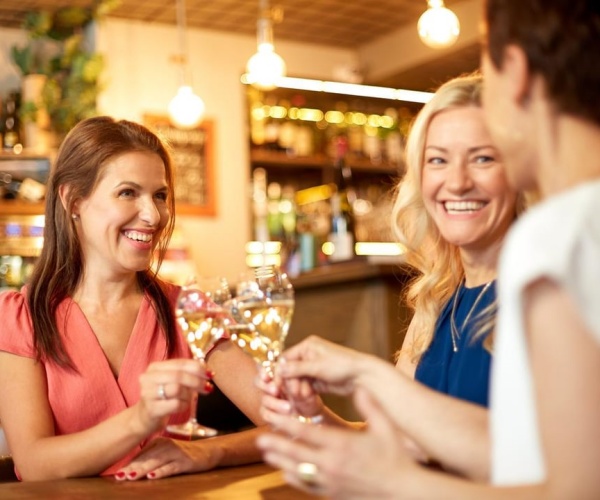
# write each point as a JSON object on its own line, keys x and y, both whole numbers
{"x": 61, "y": 73}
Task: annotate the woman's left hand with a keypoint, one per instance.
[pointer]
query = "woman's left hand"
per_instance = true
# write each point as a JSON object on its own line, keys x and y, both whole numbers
{"x": 165, "y": 457}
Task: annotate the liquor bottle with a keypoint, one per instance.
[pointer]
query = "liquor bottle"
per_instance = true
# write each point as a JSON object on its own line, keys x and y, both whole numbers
{"x": 274, "y": 216}
{"x": 342, "y": 218}
{"x": 11, "y": 125}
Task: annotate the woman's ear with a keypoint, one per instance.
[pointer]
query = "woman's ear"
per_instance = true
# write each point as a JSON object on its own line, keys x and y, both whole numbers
{"x": 63, "y": 193}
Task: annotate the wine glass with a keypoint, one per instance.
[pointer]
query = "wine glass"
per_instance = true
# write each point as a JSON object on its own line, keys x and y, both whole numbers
{"x": 203, "y": 321}
{"x": 262, "y": 309}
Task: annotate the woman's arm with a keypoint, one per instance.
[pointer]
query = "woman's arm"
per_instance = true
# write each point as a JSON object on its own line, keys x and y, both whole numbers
{"x": 565, "y": 359}
{"x": 450, "y": 431}
{"x": 234, "y": 373}
{"x": 406, "y": 362}
{"x": 28, "y": 422}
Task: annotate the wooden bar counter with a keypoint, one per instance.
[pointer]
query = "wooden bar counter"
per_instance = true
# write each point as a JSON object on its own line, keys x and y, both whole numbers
{"x": 250, "y": 482}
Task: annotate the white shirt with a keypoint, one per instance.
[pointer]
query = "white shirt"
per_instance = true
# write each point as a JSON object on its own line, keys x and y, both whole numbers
{"x": 558, "y": 239}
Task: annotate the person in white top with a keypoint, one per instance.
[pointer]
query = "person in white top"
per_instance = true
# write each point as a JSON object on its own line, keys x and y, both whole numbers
{"x": 541, "y": 65}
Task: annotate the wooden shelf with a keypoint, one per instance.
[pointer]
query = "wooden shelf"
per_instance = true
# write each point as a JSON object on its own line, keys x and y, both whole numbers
{"x": 19, "y": 207}
{"x": 277, "y": 159}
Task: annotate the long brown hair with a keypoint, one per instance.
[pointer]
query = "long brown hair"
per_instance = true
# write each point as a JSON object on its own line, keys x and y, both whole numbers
{"x": 79, "y": 165}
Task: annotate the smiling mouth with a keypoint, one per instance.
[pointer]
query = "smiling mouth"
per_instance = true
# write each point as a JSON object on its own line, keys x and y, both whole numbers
{"x": 137, "y": 236}
{"x": 463, "y": 207}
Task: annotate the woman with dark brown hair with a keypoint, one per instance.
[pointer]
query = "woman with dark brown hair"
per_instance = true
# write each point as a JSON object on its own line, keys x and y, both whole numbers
{"x": 541, "y": 67}
{"x": 89, "y": 368}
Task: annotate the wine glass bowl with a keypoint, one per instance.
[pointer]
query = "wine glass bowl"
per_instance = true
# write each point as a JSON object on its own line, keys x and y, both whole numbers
{"x": 203, "y": 320}
{"x": 263, "y": 310}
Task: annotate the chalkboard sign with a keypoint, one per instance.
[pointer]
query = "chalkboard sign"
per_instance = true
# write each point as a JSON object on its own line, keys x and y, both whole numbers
{"x": 192, "y": 152}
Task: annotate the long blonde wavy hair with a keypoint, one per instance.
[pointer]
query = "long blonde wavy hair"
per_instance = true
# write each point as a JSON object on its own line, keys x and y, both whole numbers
{"x": 437, "y": 262}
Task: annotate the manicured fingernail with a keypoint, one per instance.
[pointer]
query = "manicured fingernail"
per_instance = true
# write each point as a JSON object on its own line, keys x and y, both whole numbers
{"x": 208, "y": 387}
{"x": 132, "y": 475}
{"x": 151, "y": 475}
{"x": 120, "y": 475}
{"x": 210, "y": 374}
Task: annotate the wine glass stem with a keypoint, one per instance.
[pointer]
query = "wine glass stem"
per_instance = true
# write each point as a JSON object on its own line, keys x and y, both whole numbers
{"x": 195, "y": 395}
{"x": 194, "y": 408}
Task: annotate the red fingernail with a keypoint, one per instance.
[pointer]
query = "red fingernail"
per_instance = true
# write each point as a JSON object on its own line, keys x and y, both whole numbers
{"x": 208, "y": 387}
{"x": 210, "y": 374}
{"x": 151, "y": 475}
{"x": 120, "y": 475}
{"x": 132, "y": 475}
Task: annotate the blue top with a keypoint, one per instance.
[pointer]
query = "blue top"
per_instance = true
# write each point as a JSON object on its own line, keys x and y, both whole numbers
{"x": 465, "y": 373}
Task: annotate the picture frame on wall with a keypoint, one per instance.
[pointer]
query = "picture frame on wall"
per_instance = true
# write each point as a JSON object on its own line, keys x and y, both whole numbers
{"x": 192, "y": 151}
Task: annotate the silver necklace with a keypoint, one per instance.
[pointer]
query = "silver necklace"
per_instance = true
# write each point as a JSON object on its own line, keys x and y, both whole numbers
{"x": 454, "y": 332}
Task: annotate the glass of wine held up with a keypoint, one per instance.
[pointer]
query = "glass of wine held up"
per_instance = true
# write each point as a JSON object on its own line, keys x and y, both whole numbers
{"x": 262, "y": 310}
{"x": 203, "y": 320}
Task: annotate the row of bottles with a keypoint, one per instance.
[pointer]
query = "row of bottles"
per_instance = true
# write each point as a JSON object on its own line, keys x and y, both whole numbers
{"x": 314, "y": 226}
{"x": 292, "y": 127}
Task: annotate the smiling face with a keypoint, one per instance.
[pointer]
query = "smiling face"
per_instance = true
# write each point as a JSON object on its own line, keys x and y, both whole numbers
{"x": 121, "y": 222}
{"x": 464, "y": 186}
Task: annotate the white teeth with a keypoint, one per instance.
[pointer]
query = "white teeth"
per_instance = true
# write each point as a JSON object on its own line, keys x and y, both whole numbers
{"x": 463, "y": 206}
{"x": 136, "y": 236}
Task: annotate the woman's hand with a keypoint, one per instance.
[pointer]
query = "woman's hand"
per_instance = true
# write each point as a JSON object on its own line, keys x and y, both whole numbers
{"x": 330, "y": 367}
{"x": 341, "y": 463}
{"x": 167, "y": 387}
{"x": 288, "y": 396}
{"x": 165, "y": 457}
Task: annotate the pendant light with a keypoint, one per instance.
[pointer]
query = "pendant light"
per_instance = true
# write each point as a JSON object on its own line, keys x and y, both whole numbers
{"x": 438, "y": 26}
{"x": 186, "y": 109}
{"x": 266, "y": 66}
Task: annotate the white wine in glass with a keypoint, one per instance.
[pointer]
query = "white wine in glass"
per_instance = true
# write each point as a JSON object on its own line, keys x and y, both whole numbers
{"x": 263, "y": 309}
{"x": 203, "y": 321}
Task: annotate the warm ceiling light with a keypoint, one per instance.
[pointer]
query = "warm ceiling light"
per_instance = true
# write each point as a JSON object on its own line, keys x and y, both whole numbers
{"x": 186, "y": 109}
{"x": 266, "y": 66}
{"x": 438, "y": 26}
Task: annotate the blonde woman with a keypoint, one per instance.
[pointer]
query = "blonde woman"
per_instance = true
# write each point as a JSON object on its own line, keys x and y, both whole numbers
{"x": 453, "y": 209}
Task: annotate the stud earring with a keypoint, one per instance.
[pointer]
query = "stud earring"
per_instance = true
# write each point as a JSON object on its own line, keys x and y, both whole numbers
{"x": 74, "y": 216}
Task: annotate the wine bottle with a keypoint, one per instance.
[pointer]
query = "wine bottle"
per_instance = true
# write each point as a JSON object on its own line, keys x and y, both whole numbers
{"x": 342, "y": 218}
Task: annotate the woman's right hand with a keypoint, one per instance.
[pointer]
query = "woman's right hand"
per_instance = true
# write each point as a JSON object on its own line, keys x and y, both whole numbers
{"x": 288, "y": 396}
{"x": 167, "y": 387}
{"x": 329, "y": 367}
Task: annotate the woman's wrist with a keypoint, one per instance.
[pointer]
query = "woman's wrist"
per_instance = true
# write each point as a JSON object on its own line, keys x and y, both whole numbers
{"x": 141, "y": 425}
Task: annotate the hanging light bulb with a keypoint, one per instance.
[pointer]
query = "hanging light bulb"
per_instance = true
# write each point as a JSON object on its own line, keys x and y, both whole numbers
{"x": 186, "y": 109}
{"x": 438, "y": 26}
{"x": 266, "y": 66}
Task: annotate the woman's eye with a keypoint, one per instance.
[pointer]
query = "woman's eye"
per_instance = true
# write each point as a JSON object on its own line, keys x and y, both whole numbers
{"x": 126, "y": 193}
{"x": 162, "y": 196}
{"x": 436, "y": 160}
{"x": 484, "y": 160}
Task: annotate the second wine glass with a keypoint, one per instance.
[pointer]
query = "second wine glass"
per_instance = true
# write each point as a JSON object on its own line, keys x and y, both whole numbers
{"x": 263, "y": 309}
{"x": 203, "y": 321}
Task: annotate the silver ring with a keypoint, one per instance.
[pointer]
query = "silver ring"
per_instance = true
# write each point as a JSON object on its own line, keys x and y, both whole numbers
{"x": 307, "y": 473}
{"x": 161, "y": 392}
